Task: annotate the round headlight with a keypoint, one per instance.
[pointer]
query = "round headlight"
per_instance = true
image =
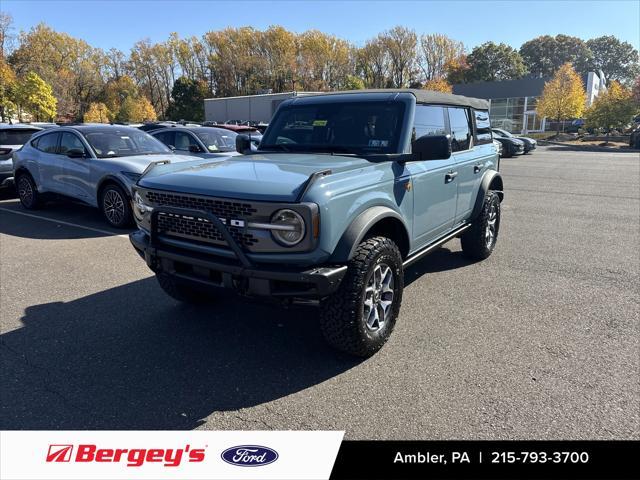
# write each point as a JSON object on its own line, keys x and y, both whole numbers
{"x": 140, "y": 205}
{"x": 288, "y": 227}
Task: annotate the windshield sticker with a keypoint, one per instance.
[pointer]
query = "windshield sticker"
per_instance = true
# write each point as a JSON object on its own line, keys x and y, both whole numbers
{"x": 319, "y": 123}
{"x": 213, "y": 147}
{"x": 378, "y": 143}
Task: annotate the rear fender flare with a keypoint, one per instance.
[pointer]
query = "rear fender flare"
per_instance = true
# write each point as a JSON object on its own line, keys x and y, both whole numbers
{"x": 492, "y": 180}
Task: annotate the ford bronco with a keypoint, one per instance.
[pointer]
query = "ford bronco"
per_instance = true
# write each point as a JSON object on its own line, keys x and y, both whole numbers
{"x": 344, "y": 192}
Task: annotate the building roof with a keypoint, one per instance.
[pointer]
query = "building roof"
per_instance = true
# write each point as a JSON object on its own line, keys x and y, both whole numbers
{"x": 422, "y": 96}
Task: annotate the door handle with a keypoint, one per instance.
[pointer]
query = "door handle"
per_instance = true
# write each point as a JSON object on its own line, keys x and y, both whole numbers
{"x": 448, "y": 178}
{"x": 477, "y": 168}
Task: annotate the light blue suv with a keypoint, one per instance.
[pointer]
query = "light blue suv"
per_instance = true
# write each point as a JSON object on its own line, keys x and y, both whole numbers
{"x": 345, "y": 191}
{"x": 93, "y": 163}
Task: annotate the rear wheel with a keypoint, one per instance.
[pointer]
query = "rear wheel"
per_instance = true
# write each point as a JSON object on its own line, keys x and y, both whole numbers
{"x": 480, "y": 239}
{"x": 181, "y": 290}
{"x": 359, "y": 317}
{"x": 115, "y": 206}
{"x": 28, "y": 192}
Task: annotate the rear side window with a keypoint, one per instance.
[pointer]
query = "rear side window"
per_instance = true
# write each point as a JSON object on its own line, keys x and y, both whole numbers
{"x": 166, "y": 137}
{"x": 483, "y": 127}
{"x": 16, "y": 136}
{"x": 429, "y": 120}
{"x": 460, "y": 128}
{"x": 47, "y": 143}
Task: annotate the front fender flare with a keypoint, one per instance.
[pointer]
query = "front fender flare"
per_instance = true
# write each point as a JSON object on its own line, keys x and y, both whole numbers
{"x": 356, "y": 231}
{"x": 490, "y": 178}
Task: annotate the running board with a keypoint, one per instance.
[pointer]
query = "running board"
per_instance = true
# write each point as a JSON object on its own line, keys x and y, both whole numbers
{"x": 432, "y": 246}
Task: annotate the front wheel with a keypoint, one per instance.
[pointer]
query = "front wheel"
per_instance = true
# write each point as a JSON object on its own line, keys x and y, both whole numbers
{"x": 480, "y": 239}
{"x": 359, "y": 317}
{"x": 116, "y": 207}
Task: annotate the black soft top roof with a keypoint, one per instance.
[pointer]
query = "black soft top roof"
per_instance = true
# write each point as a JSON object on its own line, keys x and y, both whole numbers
{"x": 422, "y": 96}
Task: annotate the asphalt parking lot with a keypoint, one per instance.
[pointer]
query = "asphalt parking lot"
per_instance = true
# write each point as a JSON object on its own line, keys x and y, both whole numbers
{"x": 540, "y": 341}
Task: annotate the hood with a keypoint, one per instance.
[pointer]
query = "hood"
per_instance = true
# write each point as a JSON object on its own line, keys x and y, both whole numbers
{"x": 137, "y": 163}
{"x": 272, "y": 177}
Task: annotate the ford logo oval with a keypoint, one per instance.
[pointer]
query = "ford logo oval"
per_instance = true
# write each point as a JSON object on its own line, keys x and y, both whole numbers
{"x": 249, "y": 455}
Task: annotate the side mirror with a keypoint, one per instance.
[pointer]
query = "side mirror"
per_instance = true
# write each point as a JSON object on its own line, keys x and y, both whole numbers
{"x": 431, "y": 147}
{"x": 76, "y": 153}
{"x": 243, "y": 143}
{"x": 194, "y": 149}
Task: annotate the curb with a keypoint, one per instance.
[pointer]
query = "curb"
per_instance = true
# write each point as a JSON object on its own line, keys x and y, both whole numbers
{"x": 588, "y": 148}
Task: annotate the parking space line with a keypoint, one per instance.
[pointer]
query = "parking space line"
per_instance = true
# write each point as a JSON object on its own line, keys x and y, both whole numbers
{"x": 62, "y": 222}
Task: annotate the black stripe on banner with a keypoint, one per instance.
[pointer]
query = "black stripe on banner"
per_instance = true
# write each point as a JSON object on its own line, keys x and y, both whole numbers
{"x": 584, "y": 460}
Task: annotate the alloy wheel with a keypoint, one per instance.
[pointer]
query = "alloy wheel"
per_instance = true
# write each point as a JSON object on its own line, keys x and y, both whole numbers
{"x": 490, "y": 231}
{"x": 113, "y": 205}
{"x": 378, "y": 300}
{"x": 25, "y": 191}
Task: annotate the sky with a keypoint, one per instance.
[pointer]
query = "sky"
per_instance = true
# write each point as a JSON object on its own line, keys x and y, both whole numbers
{"x": 120, "y": 23}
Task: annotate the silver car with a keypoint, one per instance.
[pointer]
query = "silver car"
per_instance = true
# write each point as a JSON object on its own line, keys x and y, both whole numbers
{"x": 203, "y": 142}
{"x": 12, "y": 137}
{"x": 97, "y": 164}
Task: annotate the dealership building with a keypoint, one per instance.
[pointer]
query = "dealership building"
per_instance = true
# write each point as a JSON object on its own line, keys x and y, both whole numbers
{"x": 513, "y": 102}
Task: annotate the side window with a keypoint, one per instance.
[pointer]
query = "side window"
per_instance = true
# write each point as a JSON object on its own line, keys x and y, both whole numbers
{"x": 483, "y": 127}
{"x": 429, "y": 120}
{"x": 48, "y": 143}
{"x": 166, "y": 137}
{"x": 70, "y": 141}
{"x": 460, "y": 131}
{"x": 184, "y": 141}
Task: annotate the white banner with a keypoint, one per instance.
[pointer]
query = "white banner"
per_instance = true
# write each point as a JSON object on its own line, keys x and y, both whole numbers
{"x": 114, "y": 455}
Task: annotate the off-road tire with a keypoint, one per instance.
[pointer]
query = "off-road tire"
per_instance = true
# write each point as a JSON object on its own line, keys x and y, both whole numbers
{"x": 27, "y": 191}
{"x": 183, "y": 291}
{"x": 475, "y": 241}
{"x": 342, "y": 314}
{"x": 110, "y": 198}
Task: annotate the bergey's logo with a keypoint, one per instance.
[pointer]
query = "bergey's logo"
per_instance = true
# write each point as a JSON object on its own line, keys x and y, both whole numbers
{"x": 59, "y": 453}
{"x": 249, "y": 455}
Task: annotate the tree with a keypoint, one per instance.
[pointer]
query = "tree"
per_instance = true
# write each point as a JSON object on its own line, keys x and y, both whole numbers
{"x": 494, "y": 62}
{"x": 544, "y": 55}
{"x": 188, "y": 99}
{"x": 353, "y": 83}
{"x": 372, "y": 63}
{"x": 117, "y": 90}
{"x": 401, "y": 45}
{"x": 136, "y": 110}
{"x": 35, "y": 96}
{"x": 438, "y": 85}
{"x": 436, "y": 52}
{"x": 612, "y": 109}
{"x": 6, "y": 38}
{"x": 7, "y": 91}
{"x": 618, "y": 60}
{"x": 635, "y": 91}
{"x": 98, "y": 113}
{"x": 563, "y": 96}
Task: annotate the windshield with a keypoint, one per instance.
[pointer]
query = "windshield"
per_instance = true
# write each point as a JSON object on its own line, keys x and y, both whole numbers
{"x": 124, "y": 143}
{"x": 14, "y": 136}
{"x": 218, "y": 140}
{"x": 504, "y": 133}
{"x": 358, "y": 128}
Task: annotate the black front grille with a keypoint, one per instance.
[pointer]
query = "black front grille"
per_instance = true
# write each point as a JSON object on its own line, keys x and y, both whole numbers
{"x": 200, "y": 230}
{"x": 220, "y": 208}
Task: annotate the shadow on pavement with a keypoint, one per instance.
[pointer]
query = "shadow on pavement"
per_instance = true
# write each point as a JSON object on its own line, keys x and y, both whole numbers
{"x": 440, "y": 260}
{"x": 21, "y": 224}
{"x": 131, "y": 358}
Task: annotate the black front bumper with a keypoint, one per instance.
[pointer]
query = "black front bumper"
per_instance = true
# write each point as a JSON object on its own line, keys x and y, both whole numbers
{"x": 218, "y": 272}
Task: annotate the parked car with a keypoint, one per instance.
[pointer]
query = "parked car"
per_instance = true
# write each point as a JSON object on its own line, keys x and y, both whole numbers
{"x": 96, "y": 164}
{"x": 255, "y": 134}
{"x": 199, "y": 141}
{"x": 510, "y": 146}
{"x": 12, "y": 137}
{"x": 634, "y": 138}
{"x": 150, "y": 126}
{"x": 332, "y": 207}
{"x": 530, "y": 144}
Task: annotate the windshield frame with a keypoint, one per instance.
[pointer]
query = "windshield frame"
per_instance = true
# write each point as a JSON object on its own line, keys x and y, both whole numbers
{"x": 401, "y": 139}
{"x": 162, "y": 149}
